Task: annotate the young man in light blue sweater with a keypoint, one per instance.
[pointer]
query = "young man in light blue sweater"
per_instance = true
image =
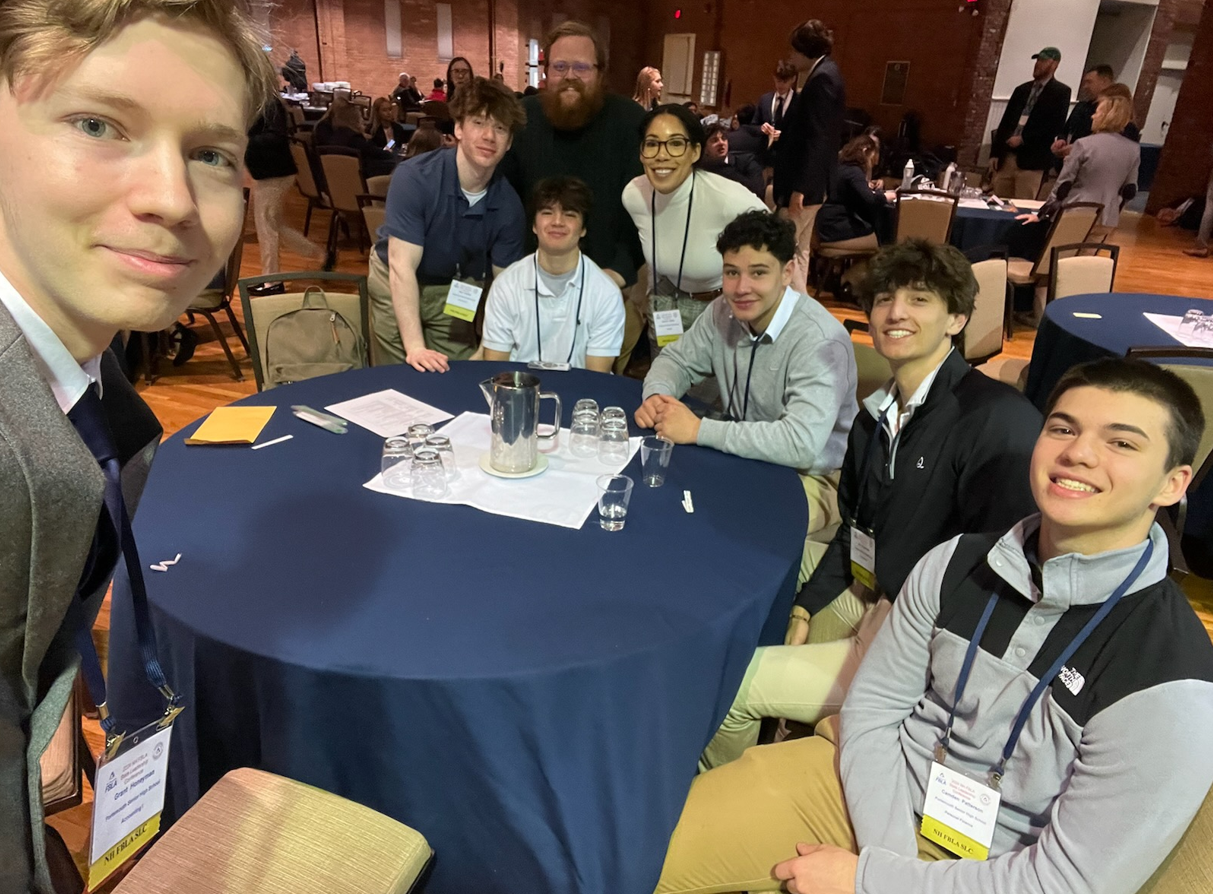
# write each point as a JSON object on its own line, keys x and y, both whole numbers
{"x": 786, "y": 368}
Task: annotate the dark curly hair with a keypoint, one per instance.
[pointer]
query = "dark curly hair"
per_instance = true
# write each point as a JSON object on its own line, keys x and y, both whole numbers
{"x": 761, "y": 231}
{"x": 919, "y": 264}
{"x": 689, "y": 120}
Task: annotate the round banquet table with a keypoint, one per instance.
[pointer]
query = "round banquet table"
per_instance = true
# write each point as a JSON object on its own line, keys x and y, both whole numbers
{"x": 973, "y": 227}
{"x": 531, "y": 698}
{"x": 1064, "y": 340}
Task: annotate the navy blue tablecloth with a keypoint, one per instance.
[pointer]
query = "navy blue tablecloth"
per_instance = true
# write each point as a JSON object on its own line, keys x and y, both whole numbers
{"x": 973, "y": 227}
{"x": 531, "y": 698}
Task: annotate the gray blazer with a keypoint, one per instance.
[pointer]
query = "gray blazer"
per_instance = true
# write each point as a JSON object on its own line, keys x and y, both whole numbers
{"x": 51, "y": 493}
{"x": 1098, "y": 166}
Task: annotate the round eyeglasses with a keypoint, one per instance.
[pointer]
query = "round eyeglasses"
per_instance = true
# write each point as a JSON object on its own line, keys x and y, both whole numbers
{"x": 580, "y": 70}
{"x": 675, "y": 147}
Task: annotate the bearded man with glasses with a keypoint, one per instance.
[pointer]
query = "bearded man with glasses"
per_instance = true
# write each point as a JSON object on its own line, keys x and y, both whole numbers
{"x": 575, "y": 128}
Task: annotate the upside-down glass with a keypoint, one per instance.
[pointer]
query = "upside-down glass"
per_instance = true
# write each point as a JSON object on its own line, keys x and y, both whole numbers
{"x": 446, "y": 453}
{"x": 614, "y": 413}
{"x": 583, "y": 432}
{"x": 429, "y": 477}
{"x": 418, "y": 433}
{"x": 655, "y": 454}
{"x": 396, "y": 464}
{"x": 586, "y": 405}
{"x": 614, "y": 493}
{"x": 612, "y": 441}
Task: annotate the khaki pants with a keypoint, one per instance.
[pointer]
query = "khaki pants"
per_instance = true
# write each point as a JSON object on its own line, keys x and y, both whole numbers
{"x": 743, "y": 818}
{"x": 801, "y": 683}
{"x": 1011, "y": 182}
{"x": 453, "y": 337}
{"x": 821, "y": 492}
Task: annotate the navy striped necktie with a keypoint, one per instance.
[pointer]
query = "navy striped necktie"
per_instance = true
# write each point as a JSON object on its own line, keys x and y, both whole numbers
{"x": 88, "y": 417}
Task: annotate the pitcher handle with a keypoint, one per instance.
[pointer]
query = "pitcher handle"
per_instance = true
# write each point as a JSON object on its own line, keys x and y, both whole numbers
{"x": 551, "y": 436}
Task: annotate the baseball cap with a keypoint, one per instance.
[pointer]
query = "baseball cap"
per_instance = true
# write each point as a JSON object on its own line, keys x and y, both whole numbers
{"x": 1048, "y": 53}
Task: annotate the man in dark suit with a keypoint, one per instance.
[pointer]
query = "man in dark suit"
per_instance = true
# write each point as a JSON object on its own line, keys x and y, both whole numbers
{"x": 1095, "y": 80}
{"x": 116, "y": 208}
{"x": 1035, "y": 115}
{"x": 812, "y": 131}
{"x": 773, "y": 108}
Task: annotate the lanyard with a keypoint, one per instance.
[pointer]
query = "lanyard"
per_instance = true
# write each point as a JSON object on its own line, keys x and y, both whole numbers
{"x": 1046, "y": 679}
{"x": 864, "y": 467}
{"x": 685, "y": 233}
{"x": 577, "y": 315}
{"x": 745, "y": 406}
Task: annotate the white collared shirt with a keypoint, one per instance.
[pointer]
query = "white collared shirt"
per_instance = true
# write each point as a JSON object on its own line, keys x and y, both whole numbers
{"x": 67, "y": 378}
{"x": 783, "y": 313}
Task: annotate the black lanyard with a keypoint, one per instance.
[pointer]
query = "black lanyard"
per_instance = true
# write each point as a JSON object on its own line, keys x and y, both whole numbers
{"x": 685, "y": 234}
{"x": 745, "y": 405}
{"x": 1046, "y": 679}
{"x": 577, "y": 317}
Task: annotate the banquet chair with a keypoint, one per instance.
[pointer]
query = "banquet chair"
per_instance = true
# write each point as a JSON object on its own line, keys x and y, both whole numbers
{"x": 837, "y": 256}
{"x": 66, "y": 761}
{"x": 983, "y": 334}
{"x": 434, "y": 108}
{"x": 374, "y": 213}
{"x": 257, "y": 833}
{"x": 305, "y": 178}
{"x": 1072, "y": 224}
{"x": 343, "y": 174}
{"x": 261, "y": 310}
{"x": 211, "y": 300}
{"x": 925, "y": 214}
{"x": 1083, "y": 270}
{"x": 377, "y": 186}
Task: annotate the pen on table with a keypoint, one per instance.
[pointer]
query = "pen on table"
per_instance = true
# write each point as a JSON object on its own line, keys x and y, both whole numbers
{"x": 275, "y": 441}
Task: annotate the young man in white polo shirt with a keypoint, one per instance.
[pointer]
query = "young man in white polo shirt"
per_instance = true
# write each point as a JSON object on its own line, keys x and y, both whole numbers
{"x": 556, "y": 305}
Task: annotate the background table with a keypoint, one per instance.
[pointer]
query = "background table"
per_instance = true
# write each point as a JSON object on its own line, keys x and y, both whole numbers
{"x": 973, "y": 227}
{"x": 533, "y": 699}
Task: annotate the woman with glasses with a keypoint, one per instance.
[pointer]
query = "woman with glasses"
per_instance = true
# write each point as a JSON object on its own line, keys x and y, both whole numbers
{"x": 458, "y": 74}
{"x": 679, "y": 211}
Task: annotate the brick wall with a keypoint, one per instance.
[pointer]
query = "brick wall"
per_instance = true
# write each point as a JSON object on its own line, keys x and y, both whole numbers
{"x": 1160, "y": 36}
{"x": 1183, "y": 169}
{"x": 981, "y": 69}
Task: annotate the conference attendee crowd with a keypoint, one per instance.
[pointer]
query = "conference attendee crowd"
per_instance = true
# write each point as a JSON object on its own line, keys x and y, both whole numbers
{"x": 1010, "y": 693}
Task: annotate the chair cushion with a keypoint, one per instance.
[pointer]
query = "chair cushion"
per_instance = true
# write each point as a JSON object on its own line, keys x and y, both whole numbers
{"x": 1019, "y": 271}
{"x": 58, "y": 764}
{"x": 256, "y": 833}
{"x": 863, "y": 246}
{"x": 1010, "y": 370}
{"x": 210, "y": 299}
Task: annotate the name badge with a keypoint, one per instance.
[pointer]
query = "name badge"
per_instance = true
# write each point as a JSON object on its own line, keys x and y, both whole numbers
{"x": 959, "y": 813}
{"x": 462, "y": 300}
{"x": 668, "y": 324}
{"x": 1023, "y": 120}
{"x": 863, "y": 558}
{"x": 129, "y": 799}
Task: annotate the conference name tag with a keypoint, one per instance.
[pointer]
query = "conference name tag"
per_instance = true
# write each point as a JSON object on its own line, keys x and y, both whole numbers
{"x": 668, "y": 324}
{"x": 129, "y": 799}
{"x": 863, "y": 558}
{"x": 462, "y": 300}
{"x": 960, "y": 813}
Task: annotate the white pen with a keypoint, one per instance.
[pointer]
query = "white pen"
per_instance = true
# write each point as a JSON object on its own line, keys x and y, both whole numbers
{"x": 275, "y": 441}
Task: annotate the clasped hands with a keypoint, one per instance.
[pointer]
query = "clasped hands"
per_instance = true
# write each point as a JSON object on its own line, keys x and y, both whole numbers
{"x": 671, "y": 418}
{"x": 819, "y": 869}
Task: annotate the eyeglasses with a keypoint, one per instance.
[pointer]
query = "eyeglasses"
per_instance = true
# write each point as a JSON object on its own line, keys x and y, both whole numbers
{"x": 579, "y": 69}
{"x": 675, "y": 147}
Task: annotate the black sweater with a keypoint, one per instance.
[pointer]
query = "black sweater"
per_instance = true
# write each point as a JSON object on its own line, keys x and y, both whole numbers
{"x": 961, "y": 467}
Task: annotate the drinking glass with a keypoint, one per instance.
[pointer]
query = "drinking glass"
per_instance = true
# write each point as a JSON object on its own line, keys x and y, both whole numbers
{"x": 613, "y": 441}
{"x": 614, "y": 493}
{"x": 446, "y": 453}
{"x": 396, "y": 463}
{"x": 583, "y": 433}
{"x": 655, "y": 454}
{"x": 418, "y": 433}
{"x": 586, "y": 405}
{"x": 615, "y": 413}
{"x": 429, "y": 477}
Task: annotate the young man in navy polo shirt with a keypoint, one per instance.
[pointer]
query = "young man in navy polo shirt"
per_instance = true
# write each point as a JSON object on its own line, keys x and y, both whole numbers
{"x": 1038, "y": 701}
{"x": 449, "y": 217}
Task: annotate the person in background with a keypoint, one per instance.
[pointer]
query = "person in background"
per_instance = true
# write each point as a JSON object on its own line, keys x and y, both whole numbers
{"x": 386, "y": 131}
{"x": 405, "y": 95}
{"x": 648, "y": 88}
{"x": 740, "y": 167}
{"x": 575, "y": 128}
{"x": 271, "y": 166}
{"x": 693, "y": 107}
{"x": 294, "y": 71}
{"x": 438, "y": 94}
{"x": 812, "y": 129}
{"x": 774, "y": 106}
{"x": 342, "y": 128}
{"x": 854, "y": 212}
{"x": 1094, "y": 81}
{"x": 450, "y": 216}
{"x": 118, "y": 201}
{"x": 425, "y": 139}
{"x": 1034, "y": 116}
{"x": 677, "y": 211}
{"x": 894, "y": 508}
{"x": 1205, "y": 232}
{"x": 1066, "y": 629}
{"x": 458, "y": 74}
{"x": 555, "y": 305}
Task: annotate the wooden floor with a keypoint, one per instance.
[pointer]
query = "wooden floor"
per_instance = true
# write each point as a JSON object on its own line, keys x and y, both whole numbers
{"x": 1151, "y": 260}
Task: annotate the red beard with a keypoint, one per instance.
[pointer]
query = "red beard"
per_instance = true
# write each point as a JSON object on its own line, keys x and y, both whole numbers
{"x": 577, "y": 115}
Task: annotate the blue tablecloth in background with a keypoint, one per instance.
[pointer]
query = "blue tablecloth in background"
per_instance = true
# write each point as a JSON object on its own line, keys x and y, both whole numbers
{"x": 973, "y": 227}
{"x": 531, "y": 698}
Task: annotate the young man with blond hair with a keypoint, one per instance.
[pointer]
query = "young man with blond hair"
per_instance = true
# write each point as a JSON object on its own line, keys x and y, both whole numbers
{"x": 118, "y": 203}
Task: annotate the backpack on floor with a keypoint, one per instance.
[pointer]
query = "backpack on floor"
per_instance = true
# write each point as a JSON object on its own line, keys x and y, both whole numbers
{"x": 314, "y": 340}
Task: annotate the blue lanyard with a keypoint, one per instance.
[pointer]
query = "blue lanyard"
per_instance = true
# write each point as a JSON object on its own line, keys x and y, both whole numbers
{"x": 577, "y": 314}
{"x": 1046, "y": 679}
